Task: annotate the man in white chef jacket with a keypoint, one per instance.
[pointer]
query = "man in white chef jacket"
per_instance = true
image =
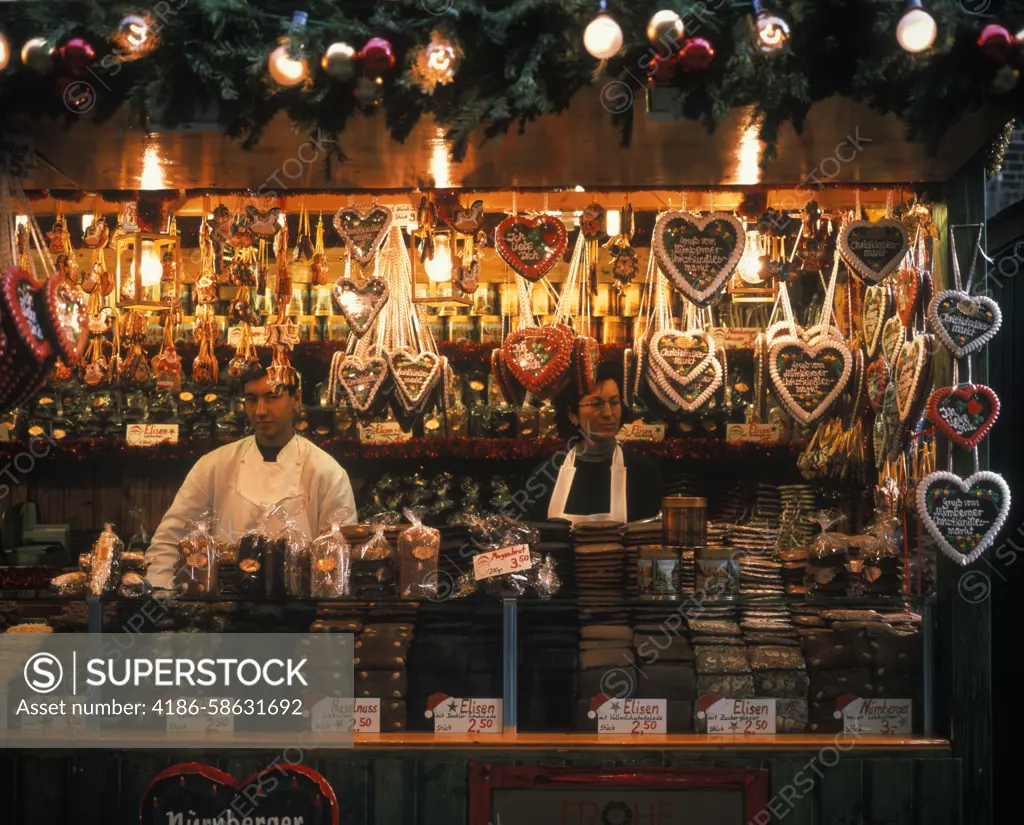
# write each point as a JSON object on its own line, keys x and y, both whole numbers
{"x": 234, "y": 480}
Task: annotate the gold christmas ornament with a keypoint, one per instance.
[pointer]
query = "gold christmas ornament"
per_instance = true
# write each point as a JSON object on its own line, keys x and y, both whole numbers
{"x": 339, "y": 61}
{"x": 435, "y": 64}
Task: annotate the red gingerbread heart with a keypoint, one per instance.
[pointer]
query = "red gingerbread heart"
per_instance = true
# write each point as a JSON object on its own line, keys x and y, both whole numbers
{"x": 908, "y": 294}
{"x": 539, "y": 358}
{"x": 964, "y": 414}
{"x": 531, "y": 246}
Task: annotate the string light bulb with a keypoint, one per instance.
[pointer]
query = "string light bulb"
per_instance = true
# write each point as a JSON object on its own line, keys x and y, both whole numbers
{"x": 5, "y": 52}
{"x": 439, "y": 268}
{"x": 772, "y": 30}
{"x": 916, "y": 30}
{"x": 602, "y": 37}
{"x": 665, "y": 28}
{"x": 135, "y": 37}
{"x": 287, "y": 64}
{"x": 152, "y": 268}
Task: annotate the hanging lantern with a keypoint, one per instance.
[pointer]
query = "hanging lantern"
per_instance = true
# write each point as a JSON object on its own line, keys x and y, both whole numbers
{"x": 146, "y": 267}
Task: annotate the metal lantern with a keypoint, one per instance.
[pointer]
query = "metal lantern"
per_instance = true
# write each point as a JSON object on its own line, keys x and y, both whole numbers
{"x": 143, "y": 278}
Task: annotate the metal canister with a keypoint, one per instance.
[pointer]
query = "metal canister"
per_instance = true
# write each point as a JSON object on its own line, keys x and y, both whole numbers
{"x": 718, "y": 571}
{"x": 684, "y": 521}
{"x": 659, "y": 571}
{"x": 489, "y": 329}
{"x": 460, "y": 328}
{"x": 614, "y": 329}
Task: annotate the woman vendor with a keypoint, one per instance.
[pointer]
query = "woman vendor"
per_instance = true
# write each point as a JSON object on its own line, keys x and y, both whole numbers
{"x": 599, "y": 479}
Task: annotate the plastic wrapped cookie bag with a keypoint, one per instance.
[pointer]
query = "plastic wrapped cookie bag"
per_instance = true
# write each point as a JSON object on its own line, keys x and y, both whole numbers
{"x": 373, "y": 564}
{"x": 260, "y": 568}
{"x": 292, "y": 543}
{"x": 419, "y": 549}
{"x": 502, "y": 539}
{"x": 546, "y": 582}
{"x": 196, "y": 571}
{"x": 70, "y": 585}
{"x": 329, "y": 558}
{"x": 826, "y": 572}
{"x": 134, "y": 586}
{"x": 105, "y": 569}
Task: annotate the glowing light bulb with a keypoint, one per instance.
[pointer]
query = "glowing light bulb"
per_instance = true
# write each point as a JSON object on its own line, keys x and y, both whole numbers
{"x": 285, "y": 69}
{"x": 21, "y": 220}
{"x": 152, "y": 268}
{"x": 439, "y": 268}
{"x": 87, "y": 221}
{"x": 916, "y": 30}
{"x": 612, "y": 222}
{"x": 772, "y": 33}
{"x": 5, "y": 52}
{"x": 751, "y": 265}
{"x": 602, "y": 38}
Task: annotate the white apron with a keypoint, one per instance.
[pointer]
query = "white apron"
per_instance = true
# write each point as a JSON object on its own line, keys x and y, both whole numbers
{"x": 257, "y": 482}
{"x": 563, "y": 484}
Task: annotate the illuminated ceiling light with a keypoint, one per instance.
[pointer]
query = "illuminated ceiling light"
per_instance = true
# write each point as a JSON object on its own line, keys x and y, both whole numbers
{"x": 602, "y": 37}
{"x": 612, "y": 222}
{"x": 152, "y": 169}
{"x": 287, "y": 64}
{"x": 916, "y": 30}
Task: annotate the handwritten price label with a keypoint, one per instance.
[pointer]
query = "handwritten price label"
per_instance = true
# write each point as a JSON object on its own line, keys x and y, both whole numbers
{"x": 202, "y": 721}
{"x": 346, "y": 716}
{"x": 499, "y": 562}
{"x": 640, "y": 431}
{"x": 454, "y": 715}
{"x": 382, "y": 432}
{"x": 753, "y": 433}
{"x": 885, "y": 717}
{"x": 148, "y": 435}
{"x": 257, "y": 334}
{"x": 740, "y": 716}
{"x": 635, "y": 717}
{"x": 736, "y": 338}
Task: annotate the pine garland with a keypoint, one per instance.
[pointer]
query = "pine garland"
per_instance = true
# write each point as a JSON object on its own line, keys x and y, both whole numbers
{"x": 523, "y": 59}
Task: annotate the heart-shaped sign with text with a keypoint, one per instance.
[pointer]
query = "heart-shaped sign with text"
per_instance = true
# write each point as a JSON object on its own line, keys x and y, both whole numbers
{"x": 963, "y": 515}
{"x": 873, "y": 250}
{"x": 363, "y": 232}
{"x": 964, "y": 414}
{"x": 809, "y": 378}
{"x": 360, "y": 380}
{"x": 698, "y": 254}
{"x": 878, "y": 376}
{"x": 531, "y": 246}
{"x": 964, "y": 323}
{"x": 539, "y": 357}
{"x": 893, "y": 335}
{"x": 415, "y": 375}
{"x": 361, "y": 301}
{"x": 682, "y": 356}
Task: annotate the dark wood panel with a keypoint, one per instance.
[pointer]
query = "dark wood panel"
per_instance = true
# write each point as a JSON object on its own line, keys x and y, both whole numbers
{"x": 840, "y": 788}
{"x": 350, "y": 780}
{"x": 937, "y": 794}
{"x": 890, "y": 786}
{"x": 394, "y": 790}
{"x": 442, "y": 791}
{"x": 792, "y": 798}
{"x": 92, "y": 788}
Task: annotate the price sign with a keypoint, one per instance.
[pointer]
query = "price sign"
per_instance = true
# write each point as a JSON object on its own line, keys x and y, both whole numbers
{"x": 738, "y": 716}
{"x": 453, "y": 715}
{"x": 148, "y": 435}
{"x": 632, "y": 716}
{"x": 403, "y": 215}
{"x": 642, "y": 431}
{"x": 504, "y": 560}
{"x": 258, "y": 335}
{"x": 884, "y": 717}
{"x": 735, "y": 337}
{"x": 382, "y": 432}
{"x": 753, "y": 433}
{"x": 333, "y": 715}
{"x": 202, "y": 721}
{"x": 17, "y": 155}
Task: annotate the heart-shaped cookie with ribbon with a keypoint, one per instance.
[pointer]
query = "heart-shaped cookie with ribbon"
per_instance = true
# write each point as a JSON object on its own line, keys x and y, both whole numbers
{"x": 911, "y": 376}
{"x": 908, "y": 290}
{"x": 361, "y": 301}
{"x": 682, "y": 357}
{"x": 539, "y": 358}
{"x": 877, "y": 304}
{"x": 964, "y": 414}
{"x": 873, "y": 250}
{"x": 888, "y": 431}
{"x": 964, "y": 323}
{"x": 363, "y": 232}
{"x": 878, "y": 376}
{"x": 531, "y": 246}
{"x": 696, "y": 394}
{"x": 963, "y": 515}
{"x": 192, "y": 793}
{"x": 698, "y": 254}
{"x": 415, "y": 375}
{"x": 893, "y": 335}
{"x": 360, "y": 380}
{"x": 808, "y": 378}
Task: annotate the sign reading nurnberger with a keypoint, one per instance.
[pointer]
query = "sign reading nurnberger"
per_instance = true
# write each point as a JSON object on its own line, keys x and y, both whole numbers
{"x": 172, "y": 690}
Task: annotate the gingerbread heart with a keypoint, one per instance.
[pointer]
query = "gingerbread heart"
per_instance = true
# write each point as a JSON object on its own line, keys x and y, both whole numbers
{"x": 808, "y": 378}
{"x": 531, "y": 246}
{"x": 873, "y": 250}
{"x": 878, "y": 376}
{"x": 192, "y": 792}
{"x": 963, "y": 515}
{"x": 887, "y": 431}
{"x": 538, "y": 357}
{"x": 908, "y": 289}
{"x": 964, "y": 323}
{"x": 363, "y": 232}
{"x": 586, "y": 357}
{"x": 893, "y": 334}
{"x": 360, "y": 380}
{"x": 911, "y": 376}
{"x": 964, "y": 414}
{"x": 698, "y": 393}
{"x": 682, "y": 357}
{"x": 698, "y": 254}
{"x": 877, "y": 303}
{"x": 361, "y": 301}
{"x": 415, "y": 375}
{"x": 510, "y": 389}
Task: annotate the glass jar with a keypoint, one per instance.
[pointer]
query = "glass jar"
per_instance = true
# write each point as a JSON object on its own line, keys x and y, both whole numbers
{"x": 684, "y": 521}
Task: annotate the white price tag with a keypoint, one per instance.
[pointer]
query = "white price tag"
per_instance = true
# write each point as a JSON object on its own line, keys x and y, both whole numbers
{"x": 884, "y": 717}
{"x": 346, "y": 716}
{"x": 258, "y": 336}
{"x": 504, "y": 560}
{"x": 203, "y": 721}
{"x": 453, "y": 715}
{"x": 633, "y": 716}
{"x": 382, "y": 432}
{"x": 735, "y": 337}
{"x": 740, "y": 716}
{"x": 403, "y": 215}
{"x": 753, "y": 433}
{"x": 147, "y": 435}
{"x": 640, "y": 431}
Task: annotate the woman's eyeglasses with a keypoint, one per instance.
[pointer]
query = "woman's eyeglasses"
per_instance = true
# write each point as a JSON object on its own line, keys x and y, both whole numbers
{"x": 598, "y": 404}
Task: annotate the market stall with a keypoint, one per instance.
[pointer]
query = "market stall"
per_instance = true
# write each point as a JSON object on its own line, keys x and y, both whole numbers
{"x": 750, "y": 614}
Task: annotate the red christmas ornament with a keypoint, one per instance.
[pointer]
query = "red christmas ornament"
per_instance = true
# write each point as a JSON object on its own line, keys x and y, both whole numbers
{"x": 696, "y": 55}
{"x": 995, "y": 41}
{"x": 77, "y": 54}
{"x": 377, "y": 56}
{"x": 663, "y": 69}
